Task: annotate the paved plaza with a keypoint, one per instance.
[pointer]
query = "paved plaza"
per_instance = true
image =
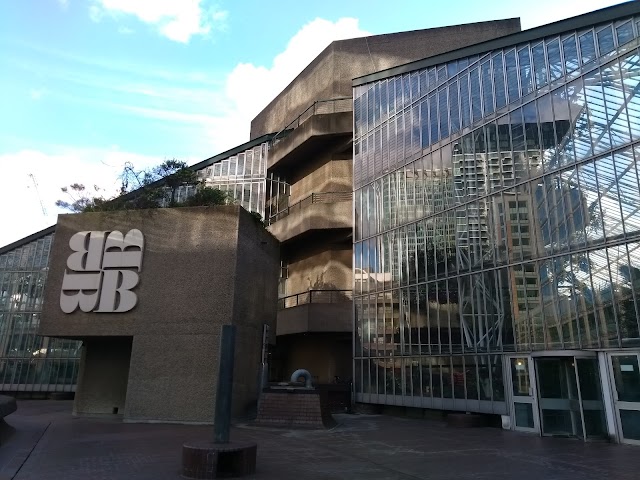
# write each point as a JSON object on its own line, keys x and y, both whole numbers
{"x": 42, "y": 440}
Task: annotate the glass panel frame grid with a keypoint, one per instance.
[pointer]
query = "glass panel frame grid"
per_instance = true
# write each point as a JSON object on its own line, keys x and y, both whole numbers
{"x": 516, "y": 226}
{"x": 29, "y": 362}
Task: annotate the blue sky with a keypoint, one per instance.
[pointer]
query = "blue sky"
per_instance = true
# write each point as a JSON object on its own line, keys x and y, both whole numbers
{"x": 88, "y": 85}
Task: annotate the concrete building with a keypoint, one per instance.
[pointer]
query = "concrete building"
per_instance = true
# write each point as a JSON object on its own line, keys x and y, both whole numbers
{"x": 457, "y": 226}
{"x": 195, "y": 269}
{"x": 311, "y": 154}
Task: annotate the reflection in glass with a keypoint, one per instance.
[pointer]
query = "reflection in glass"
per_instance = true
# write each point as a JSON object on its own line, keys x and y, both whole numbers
{"x": 558, "y": 396}
{"x": 630, "y": 422}
{"x": 29, "y": 362}
{"x": 520, "y": 377}
{"x": 524, "y": 414}
{"x": 626, "y": 372}
{"x": 591, "y": 394}
{"x": 520, "y": 230}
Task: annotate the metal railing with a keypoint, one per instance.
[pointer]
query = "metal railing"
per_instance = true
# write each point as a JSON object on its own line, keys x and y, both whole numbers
{"x": 322, "y": 197}
{"x": 335, "y": 105}
{"x": 315, "y": 296}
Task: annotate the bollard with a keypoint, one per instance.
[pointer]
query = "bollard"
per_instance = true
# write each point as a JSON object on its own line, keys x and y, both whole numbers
{"x": 222, "y": 416}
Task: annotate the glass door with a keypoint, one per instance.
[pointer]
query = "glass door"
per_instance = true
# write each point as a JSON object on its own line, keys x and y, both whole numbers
{"x": 559, "y": 398}
{"x": 524, "y": 408}
{"x": 590, "y": 388}
{"x": 625, "y": 370}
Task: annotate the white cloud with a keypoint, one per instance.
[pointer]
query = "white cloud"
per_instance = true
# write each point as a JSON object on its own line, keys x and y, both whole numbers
{"x": 177, "y": 20}
{"x": 63, "y": 3}
{"x": 36, "y": 94}
{"x": 23, "y": 214}
{"x": 249, "y": 88}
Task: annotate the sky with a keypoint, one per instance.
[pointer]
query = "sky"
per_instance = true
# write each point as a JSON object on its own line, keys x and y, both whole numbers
{"x": 89, "y": 85}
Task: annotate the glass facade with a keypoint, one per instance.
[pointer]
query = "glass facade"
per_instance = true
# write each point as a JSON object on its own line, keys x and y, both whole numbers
{"x": 496, "y": 210}
{"x": 28, "y": 362}
{"x": 244, "y": 177}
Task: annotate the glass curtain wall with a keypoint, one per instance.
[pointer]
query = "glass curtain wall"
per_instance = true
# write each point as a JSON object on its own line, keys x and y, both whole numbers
{"x": 28, "y": 362}
{"x": 496, "y": 210}
{"x": 244, "y": 177}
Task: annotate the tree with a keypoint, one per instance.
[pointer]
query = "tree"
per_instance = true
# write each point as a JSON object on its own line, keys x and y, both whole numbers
{"x": 175, "y": 174}
{"x": 156, "y": 187}
{"x": 207, "y": 196}
{"x": 81, "y": 201}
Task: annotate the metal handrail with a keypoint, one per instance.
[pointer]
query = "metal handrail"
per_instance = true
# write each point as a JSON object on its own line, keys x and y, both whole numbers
{"x": 334, "y": 105}
{"x": 321, "y": 197}
{"x": 315, "y": 296}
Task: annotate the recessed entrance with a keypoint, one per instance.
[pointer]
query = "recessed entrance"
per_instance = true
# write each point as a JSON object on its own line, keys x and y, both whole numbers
{"x": 570, "y": 397}
{"x": 557, "y": 395}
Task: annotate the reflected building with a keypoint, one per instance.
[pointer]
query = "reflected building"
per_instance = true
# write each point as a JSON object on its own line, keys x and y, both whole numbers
{"x": 520, "y": 295}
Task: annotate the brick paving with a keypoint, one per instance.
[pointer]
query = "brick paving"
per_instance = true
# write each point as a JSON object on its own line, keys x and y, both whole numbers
{"x": 48, "y": 443}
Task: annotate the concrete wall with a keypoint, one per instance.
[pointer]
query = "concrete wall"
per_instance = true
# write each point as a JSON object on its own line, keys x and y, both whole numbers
{"x": 323, "y": 267}
{"x": 198, "y": 269}
{"x": 323, "y": 355}
{"x": 102, "y": 379}
{"x": 321, "y": 174}
{"x": 316, "y": 216}
{"x": 330, "y": 74}
{"x": 256, "y": 291}
{"x": 317, "y": 317}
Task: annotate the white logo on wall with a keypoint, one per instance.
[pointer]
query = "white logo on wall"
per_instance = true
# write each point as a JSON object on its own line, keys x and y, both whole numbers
{"x": 100, "y": 272}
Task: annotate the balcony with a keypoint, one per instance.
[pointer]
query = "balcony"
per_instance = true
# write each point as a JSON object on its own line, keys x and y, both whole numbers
{"x": 322, "y": 126}
{"x": 318, "y": 211}
{"x": 315, "y": 311}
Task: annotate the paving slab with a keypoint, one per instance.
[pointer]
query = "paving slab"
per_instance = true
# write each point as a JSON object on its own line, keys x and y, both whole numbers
{"x": 49, "y": 443}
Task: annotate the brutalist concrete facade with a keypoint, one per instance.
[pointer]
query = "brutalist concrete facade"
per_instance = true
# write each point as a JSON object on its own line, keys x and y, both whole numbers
{"x": 329, "y": 75}
{"x": 202, "y": 268}
{"x": 314, "y": 156}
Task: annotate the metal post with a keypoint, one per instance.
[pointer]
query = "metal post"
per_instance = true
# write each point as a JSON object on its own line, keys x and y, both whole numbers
{"x": 222, "y": 418}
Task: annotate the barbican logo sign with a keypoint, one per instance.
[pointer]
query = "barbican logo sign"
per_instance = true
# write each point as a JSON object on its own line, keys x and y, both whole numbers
{"x": 102, "y": 271}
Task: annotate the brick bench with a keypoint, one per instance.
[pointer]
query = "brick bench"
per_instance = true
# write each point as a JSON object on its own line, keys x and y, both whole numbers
{"x": 295, "y": 408}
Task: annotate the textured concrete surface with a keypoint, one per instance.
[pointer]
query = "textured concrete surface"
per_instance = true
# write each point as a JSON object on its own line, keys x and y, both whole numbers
{"x": 202, "y": 267}
{"x": 296, "y": 146}
{"x": 329, "y": 75}
{"x": 316, "y": 216}
{"x": 316, "y": 317}
{"x": 49, "y": 444}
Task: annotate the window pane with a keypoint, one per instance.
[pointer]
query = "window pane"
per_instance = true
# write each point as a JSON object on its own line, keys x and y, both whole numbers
{"x": 540, "y": 65}
{"x": 570, "y": 50}
{"x": 476, "y": 109}
{"x": 498, "y": 79}
{"x": 453, "y": 107}
{"x": 605, "y": 40}
{"x": 526, "y": 79}
{"x": 555, "y": 62}
{"x": 512, "y": 76}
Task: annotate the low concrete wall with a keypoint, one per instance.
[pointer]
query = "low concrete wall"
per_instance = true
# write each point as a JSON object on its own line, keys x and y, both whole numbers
{"x": 316, "y": 317}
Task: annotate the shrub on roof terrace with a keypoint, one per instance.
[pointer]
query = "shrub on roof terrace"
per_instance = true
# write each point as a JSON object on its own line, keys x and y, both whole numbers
{"x": 156, "y": 187}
